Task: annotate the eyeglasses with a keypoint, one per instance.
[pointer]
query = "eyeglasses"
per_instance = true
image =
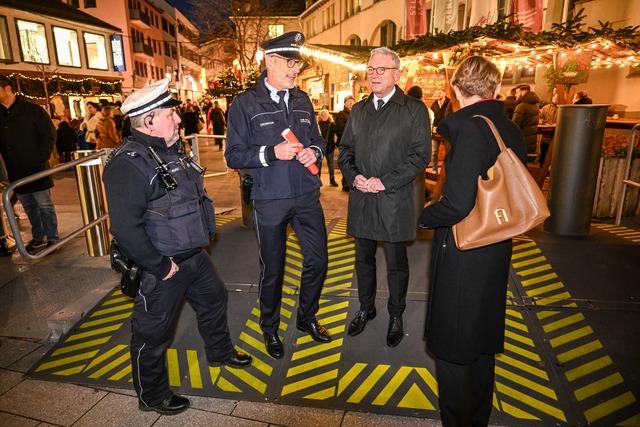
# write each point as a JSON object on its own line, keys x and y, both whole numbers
{"x": 291, "y": 62}
{"x": 379, "y": 70}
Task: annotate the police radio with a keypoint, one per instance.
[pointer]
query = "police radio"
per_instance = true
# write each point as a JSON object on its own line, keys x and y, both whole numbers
{"x": 165, "y": 179}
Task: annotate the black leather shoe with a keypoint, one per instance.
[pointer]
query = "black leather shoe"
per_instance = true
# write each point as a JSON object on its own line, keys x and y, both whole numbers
{"x": 172, "y": 405}
{"x": 315, "y": 330}
{"x": 4, "y": 248}
{"x": 274, "y": 345}
{"x": 396, "y": 332}
{"x": 360, "y": 321}
{"x": 238, "y": 360}
{"x": 333, "y": 183}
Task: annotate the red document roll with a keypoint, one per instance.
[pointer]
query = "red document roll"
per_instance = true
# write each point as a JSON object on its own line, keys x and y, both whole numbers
{"x": 289, "y": 136}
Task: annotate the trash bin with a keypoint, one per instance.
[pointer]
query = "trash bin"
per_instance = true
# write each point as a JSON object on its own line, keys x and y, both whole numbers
{"x": 574, "y": 168}
{"x": 92, "y": 202}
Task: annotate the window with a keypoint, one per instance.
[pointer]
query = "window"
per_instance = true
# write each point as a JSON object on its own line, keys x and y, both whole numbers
{"x": 96, "y": 49}
{"x": 388, "y": 34}
{"x": 355, "y": 41}
{"x": 67, "y": 48}
{"x": 5, "y": 47}
{"x": 89, "y": 3}
{"x": 276, "y": 31}
{"x": 172, "y": 30}
{"x": 165, "y": 25}
{"x": 167, "y": 49}
{"x": 33, "y": 42}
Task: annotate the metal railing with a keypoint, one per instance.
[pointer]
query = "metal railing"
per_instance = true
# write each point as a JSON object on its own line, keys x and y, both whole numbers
{"x": 626, "y": 181}
{"x": 13, "y": 223}
{"x": 194, "y": 139}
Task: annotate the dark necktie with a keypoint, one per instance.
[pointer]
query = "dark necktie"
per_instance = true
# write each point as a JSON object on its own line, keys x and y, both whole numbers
{"x": 380, "y": 103}
{"x": 281, "y": 102}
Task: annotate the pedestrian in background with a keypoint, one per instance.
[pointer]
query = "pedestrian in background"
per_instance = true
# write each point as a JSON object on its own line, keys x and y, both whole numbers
{"x": 66, "y": 140}
{"x": 218, "y": 122}
{"x": 468, "y": 289}
{"x": 341, "y": 122}
{"x": 27, "y": 137}
{"x": 526, "y": 115}
{"x": 385, "y": 145}
{"x": 284, "y": 191}
{"x": 108, "y": 136}
{"x": 162, "y": 218}
{"x": 327, "y": 130}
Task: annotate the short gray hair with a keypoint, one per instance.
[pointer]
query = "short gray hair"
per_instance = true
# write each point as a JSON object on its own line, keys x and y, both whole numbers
{"x": 388, "y": 52}
{"x": 137, "y": 122}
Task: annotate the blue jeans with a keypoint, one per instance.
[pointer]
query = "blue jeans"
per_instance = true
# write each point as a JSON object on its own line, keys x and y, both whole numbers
{"x": 42, "y": 214}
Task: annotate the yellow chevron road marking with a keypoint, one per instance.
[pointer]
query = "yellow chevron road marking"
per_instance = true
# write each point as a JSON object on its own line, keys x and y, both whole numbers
{"x": 564, "y": 322}
{"x": 392, "y": 386}
{"x": 579, "y": 351}
{"x": 539, "y": 279}
{"x": 225, "y": 385}
{"x": 530, "y": 401}
{"x": 508, "y": 347}
{"x": 599, "y": 386}
{"x": 524, "y": 382}
{"x": 609, "y": 407}
{"x": 309, "y": 382}
{"x": 249, "y": 379}
{"x": 194, "y": 369}
{"x": 173, "y": 369}
{"x": 122, "y": 360}
{"x": 314, "y": 364}
{"x": 351, "y": 375}
{"x": 530, "y": 261}
{"x": 523, "y": 366}
{"x": 519, "y": 338}
{"x": 320, "y": 348}
{"x": 81, "y": 346}
{"x": 105, "y": 320}
{"x": 123, "y": 307}
{"x": 571, "y": 336}
{"x": 126, "y": 370}
{"x": 368, "y": 383}
{"x": 108, "y": 355}
{"x": 415, "y": 399}
{"x": 588, "y": 368}
{"x": 516, "y": 412}
{"x": 100, "y": 331}
{"x": 82, "y": 357}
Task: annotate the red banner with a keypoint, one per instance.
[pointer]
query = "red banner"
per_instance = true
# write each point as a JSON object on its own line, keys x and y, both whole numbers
{"x": 528, "y": 13}
{"x": 416, "y": 18}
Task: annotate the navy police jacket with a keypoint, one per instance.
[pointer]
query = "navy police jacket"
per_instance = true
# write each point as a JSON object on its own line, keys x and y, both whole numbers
{"x": 254, "y": 124}
{"x": 149, "y": 222}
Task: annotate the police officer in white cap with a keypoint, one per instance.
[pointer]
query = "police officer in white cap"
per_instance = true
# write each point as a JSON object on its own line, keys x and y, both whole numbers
{"x": 162, "y": 218}
{"x": 284, "y": 191}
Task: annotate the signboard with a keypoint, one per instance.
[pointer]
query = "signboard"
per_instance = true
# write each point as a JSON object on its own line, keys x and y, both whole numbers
{"x": 117, "y": 51}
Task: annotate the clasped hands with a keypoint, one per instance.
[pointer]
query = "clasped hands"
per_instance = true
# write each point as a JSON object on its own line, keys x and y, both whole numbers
{"x": 370, "y": 185}
{"x": 289, "y": 150}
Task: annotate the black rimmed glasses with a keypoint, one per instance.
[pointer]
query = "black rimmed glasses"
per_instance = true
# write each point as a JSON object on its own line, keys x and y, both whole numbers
{"x": 291, "y": 62}
{"x": 379, "y": 70}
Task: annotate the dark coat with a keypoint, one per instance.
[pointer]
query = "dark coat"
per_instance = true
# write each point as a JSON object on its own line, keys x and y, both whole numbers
{"x": 66, "y": 138}
{"x": 391, "y": 144}
{"x": 341, "y": 121}
{"x": 439, "y": 112}
{"x": 468, "y": 289}
{"x": 190, "y": 122}
{"x": 327, "y": 130}
{"x": 526, "y": 115}
{"x": 27, "y": 137}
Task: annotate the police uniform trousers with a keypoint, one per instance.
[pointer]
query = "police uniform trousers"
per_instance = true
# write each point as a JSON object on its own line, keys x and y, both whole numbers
{"x": 397, "y": 275}
{"x": 306, "y": 217}
{"x": 155, "y": 310}
{"x": 466, "y": 391}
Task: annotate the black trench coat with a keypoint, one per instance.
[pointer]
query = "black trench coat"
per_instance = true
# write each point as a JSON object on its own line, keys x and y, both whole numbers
{"x": 468, "y": 289}
{"x": 392, "y": 144}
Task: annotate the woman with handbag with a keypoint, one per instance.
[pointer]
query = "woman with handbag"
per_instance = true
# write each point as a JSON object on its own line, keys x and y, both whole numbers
{"x": 468, "y": 289}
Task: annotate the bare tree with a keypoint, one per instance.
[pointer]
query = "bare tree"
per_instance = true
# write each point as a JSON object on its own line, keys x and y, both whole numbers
{"x": 242, "y": 24}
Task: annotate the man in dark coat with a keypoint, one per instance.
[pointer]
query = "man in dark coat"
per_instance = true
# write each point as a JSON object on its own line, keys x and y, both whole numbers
{"x": 526, "y": 116}
{"x": 27, "y": 137}
{"x": 341, "y": 121}
{"x": 218, "y": 122}
{"x": 385, "y": 145}
{"x": 440, "y": 111}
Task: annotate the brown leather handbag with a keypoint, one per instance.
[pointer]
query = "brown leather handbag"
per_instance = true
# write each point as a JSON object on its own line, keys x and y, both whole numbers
{"x": 509, "y": 203}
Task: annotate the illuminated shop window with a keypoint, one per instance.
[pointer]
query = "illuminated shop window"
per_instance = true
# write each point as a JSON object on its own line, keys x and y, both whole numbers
{"x": 67, "y": 47}
{"x": 5, "y": 42}
{"x": 96, "y": 48}
{"x": 276, "y": 31}
{"x": 33, "y": 42}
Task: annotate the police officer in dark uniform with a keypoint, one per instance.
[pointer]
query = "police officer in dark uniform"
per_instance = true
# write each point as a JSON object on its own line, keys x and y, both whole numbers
{"x": 284, "y": 191}
{"x": 162, "y": 218}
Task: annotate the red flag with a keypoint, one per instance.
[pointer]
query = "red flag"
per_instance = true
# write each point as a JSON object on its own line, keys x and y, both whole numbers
{"x": 416, "y": 18}
{"x": 528, "y": 13}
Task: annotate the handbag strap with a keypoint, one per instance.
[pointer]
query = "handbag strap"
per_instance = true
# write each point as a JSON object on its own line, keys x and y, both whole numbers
{"x": 496, "y": 134}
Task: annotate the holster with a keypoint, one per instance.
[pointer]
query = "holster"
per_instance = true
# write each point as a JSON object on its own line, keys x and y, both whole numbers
{"x": 246, "y": 184}
{"x": 131, "y": 272}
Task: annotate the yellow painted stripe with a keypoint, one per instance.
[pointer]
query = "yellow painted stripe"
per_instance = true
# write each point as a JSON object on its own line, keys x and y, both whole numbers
{"x": 195, "y": 376}
{"x": 342, "y": 278}
{"x": 392, "y": 386}
{"x": 530, "y": 369}
{"x": 249, "y": 379}
{"x": 514, "y": 313}
{"x": 214, "y": 372}
{"x": 173, "y": 369}
{"x": 598, "y": 386}
{"x": 347, "y": 268}
{"x": 539, "y": 279}
{"x": 111, "y": 366}
{"x": 530, "y": 401}
{"x": 69, "y": 371}
{"x": 105, "y": 320}
{"x": 554, "y": 299}
{"x": 524, "y": 382}
{"x": 81, "y": 346}
{"x": 103, "y": 312}
{"x": 225, "y": 385}
{"x": 350, "y": 376}
{"x": 328, "y": 308}
{"x": 570, "y": 336}
{"x": 531, "y": 261}
{"x": 322, "y": 394}
{"x": 545, "y": 289}
{"x": 108, "y": 355}
{"x": 428, "y": 379}
{"x": 579, "y": 351}
{"x": 339, "y": 260}
{"x": 633, "y": 421}
{"x": 339, "y": 317}
{"x": 335, "y": 288}
{"x": 344, "y": 250}
{"x": 254, "y": 326}
{"x": 117, "y": 298}
{"x": 519, "y": 338}
{"x": 609, "y": 407}
{"x": 516, "y": 325}
{"x": 522, "y": 246}
{"x": 305, "y": 339}
{"x": 522, "y": 352}
{"x": 67, "y": 361}
{"x": 519, "y": 255}
{"x": 93, "y": 332}
{"x": 314, "y": 364}
{"x": 122, "y": 373}
{"x": 547, "y": 313}
{"x": 368, "y": 384}
{"x": 535, "y": 270}
{"x": 294, "y": 271}
{"x": 309, "y": 382}
{"x": 561, "y": 323}
{"x": 516, "y": 412}
{"x": 311, "y": 351}
{"x": 589, "y": 367}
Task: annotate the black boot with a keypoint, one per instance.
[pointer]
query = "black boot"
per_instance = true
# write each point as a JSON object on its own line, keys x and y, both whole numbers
{"x": 4, "y": 248}
{"x": 333, "y": 182}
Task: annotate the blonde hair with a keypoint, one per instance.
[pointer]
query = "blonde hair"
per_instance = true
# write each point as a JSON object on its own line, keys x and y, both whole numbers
{"x": 476, "y": 76}
{"x": 328, "y": 113}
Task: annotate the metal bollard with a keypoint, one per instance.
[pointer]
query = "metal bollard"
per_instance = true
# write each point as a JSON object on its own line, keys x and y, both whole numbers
{"x": 92, "y": 202}
{"x": 574, "y": 168}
